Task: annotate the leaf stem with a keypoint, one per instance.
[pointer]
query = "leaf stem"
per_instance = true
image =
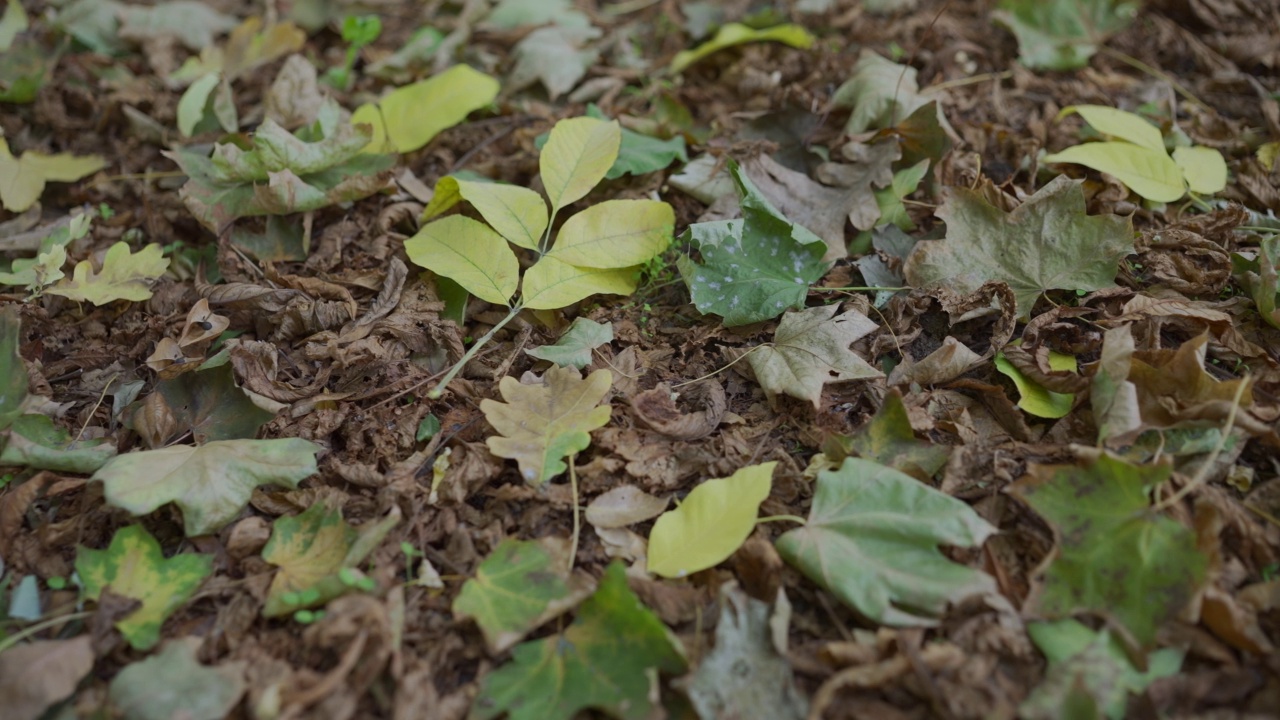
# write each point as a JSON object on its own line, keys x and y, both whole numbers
{"x": 722, "y": 368}
{"x": 577, "y": 522}
{"x": 851, "y": 289}
{"x": 439, "y": 389}
{"x": 1203, "y": 473}
{"x": 26, "y": 632}
{"x": 1158, "y": 74}
{"x": 783, "y": 518}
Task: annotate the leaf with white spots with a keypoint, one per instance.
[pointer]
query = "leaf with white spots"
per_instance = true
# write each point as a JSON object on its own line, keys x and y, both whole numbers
{"x": 752, "y": 268}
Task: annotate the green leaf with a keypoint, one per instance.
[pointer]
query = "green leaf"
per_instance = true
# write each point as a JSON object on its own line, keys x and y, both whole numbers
{"x": 576, "y": 157}
{"x": 712, "y": 522}
{"x": 557, "y": 56}
{"x": 210, "y": 483}
{"x": 193, "y": 23}
{"x": 737, "y": 34}
{"x": 889, "y": 440}
{"x": 809, "y": 350}
{"x": 1093, "y": 662}
{"x": 520, "y": 586}
{"x": 13, "y": 372}
{"x": 192, "y": 104}
{"x": 518, "y": 214}
{"x": 642, "y": 154}
{"x": 35, "y": 442}
{"x": 312, "y": 549}
{"x": 1153, "y": 175}
{"x": 575, "y": 346}
{"x": 542, "y": 423}
{"x": 1034, "y": 397}
{"x": 469, "y": 253}
{"x": 172, "y": 684}
{"x": 124, "y": 276}
{"x": 1203, "y": 168}
{"x": 14, "y": 22}
{"x": 881, "y": 92}
{"x": 22, "y": 180}
{"x": 1063, "y": 34}
{"x": 1114, "y": 556}
{"x": 551, "y": 284}
{"x": 399, "y": 122}
{"x": 1047, "y": 243}
{"x": 1120, "y": 125}
{"x": 872, "y": 539}
{"x": 752, "y": 268}
{"x": 134, "y": 567}
{"x": 604, "y": 660}
{"x": 208, "y": 404}
{"x": 615, "y": 234}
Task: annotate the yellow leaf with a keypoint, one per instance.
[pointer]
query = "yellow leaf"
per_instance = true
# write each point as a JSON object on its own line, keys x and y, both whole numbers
{"x": 408, "y": 117}
{"x": 551, "y": 284}
{"x": 518, "y": 214}
{"x": 469, "y": 253}
{"x": 542, "y": 423}
{"x": 712, "y": 522}
{"x": 615, "y": 234}
{"x": 1203, "y": 168}
{"x": 1153, "y": 175}
{"x": 124, "y": 276}
{"x": 737, "y": 34}
{"x": 1119, "y": 124}
{"x": 22, "y": 180}
{"x": 578, "y": 154}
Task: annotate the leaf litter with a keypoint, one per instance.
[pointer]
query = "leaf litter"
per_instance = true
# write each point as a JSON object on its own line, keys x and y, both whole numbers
{"x": 939, "y": 383}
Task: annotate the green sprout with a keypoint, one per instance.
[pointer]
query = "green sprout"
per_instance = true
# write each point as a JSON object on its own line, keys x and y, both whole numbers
{"x": 357, "y": 31}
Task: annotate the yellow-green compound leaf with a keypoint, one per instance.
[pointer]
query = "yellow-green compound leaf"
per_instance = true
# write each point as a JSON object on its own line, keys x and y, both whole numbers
{"x": 542, "y": 424}
{"x": 1034, "y": 397}
{"x": 872, "y": 540}
{"x": 1115, "y": 556}
{"x": 409, "y": 117}
{"x": 737, "y": 34}
{"x": 124, "y": 276}
{"x": 22, "y": 180}
{"x": 134, "y": 567}
{"x": 1153, "y": 175}
{"x": 520, "y": 586}
{"x": 577, "y": 155}
{"x": 712, "y": 522}
{"x": 518, "y": 214}
{"x": 313, "y": 551}
{"x": 1120, "y": 125}
{"x": 605, "y": 660}
{"x": 1203, "y": 168}
{"x": 469, "y": 253}
{"x": 551, "y": 284}
{"x": 615, "y": 234}
{"x": 173, "y": 684}
{"x": 210, "y": 483}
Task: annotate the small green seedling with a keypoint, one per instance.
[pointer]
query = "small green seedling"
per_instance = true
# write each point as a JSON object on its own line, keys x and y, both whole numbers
{"x": 597, "y": 251}
{"x": 357, "y": 31}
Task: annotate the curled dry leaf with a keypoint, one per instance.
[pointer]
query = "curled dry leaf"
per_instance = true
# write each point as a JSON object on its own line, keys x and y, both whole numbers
{"x": 657, "y": 409}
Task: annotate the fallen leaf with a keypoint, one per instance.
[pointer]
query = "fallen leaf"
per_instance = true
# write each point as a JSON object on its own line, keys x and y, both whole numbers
{"x": 1063, "y": 34}
{"x": 210, "y": 483}
{"x": 134, "y": 567}
{"x": 737, "y": 34}
{"x": 622, "y": 506}
{"x": 35, "y": 676}
{"x": 641, "y": 154}
{"x": 173, "y": 684}
{"x": 1115, "y": 556}
{"x": 192, "y": 23}
{"x": 124, "y": 276}
{"x": 542, "y": 423}
{"x": 554, "y": 56}
{"x": 809, "y": 350}
{"x": 36, "y": 442}
{"x": 872, "y": 541}
{"x": 398, "y": 124}
{"x": 604, "y": 661}
{"x": 881, "y": 92}
{"x": 712, "y": 522}
{"x": 13, "y": 371}
{"x": 519, "y": 587}
{"x": 1034, "y": 397}
{"x": 1047, "y": 243}
{"x": 22, "y": 180}
{"x": 574, "y": 348}
{"x": 889, "y": 440}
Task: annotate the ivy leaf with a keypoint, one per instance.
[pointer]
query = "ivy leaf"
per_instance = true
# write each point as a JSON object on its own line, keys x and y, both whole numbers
{"x": 22, "y": 180}
{"x": 210, "y": 483}
{"x": 1047, "y": 243}
{"x": 124, "y": 276}
{"x": 872, "y": 541}
{"x": 1114, "y": 555}
{"x": 134, "y": 567}
{"x": 573, "y": 349}
{"x": 520, "y": 586}
{"x": 543, "y": 423}
{"x": 172, "y": 684}
{"x": 314, "y": 550}
{"x": 712, "y": 522}
{"x": 605, "y": 660}
{"x": 1063, "y": 34}
{"x": 752, "y": 268}
{"x": 809, "y": 350}
{"x": 737, "y": 34}
{"x": 398, "y": 122}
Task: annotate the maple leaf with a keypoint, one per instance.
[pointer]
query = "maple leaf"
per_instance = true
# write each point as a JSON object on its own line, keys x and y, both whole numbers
{"x": 124, "y": 276}
{"x": 1047, "y": 243}
{"x": 809, "y": 350}
{"x": 543, "y": 423}
{"x": 881, "y": 92}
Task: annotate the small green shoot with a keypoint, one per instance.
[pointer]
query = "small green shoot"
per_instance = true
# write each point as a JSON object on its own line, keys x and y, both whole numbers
{"x": 357, "y": 31}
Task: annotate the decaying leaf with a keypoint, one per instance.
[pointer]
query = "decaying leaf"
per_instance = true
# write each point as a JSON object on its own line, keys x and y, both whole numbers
{"x": 1063, "y": 34}
{"x": 124, "y": 276}
{"x": 172, "y": 683}
{"x": 809, "y": 350}
{"x": 540, "y": 424}
{"x": 35, "y": 676}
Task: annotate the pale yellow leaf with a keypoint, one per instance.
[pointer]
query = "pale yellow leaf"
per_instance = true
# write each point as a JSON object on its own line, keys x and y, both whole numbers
{"x": 1153, "y": 175}
{"x": 615, "y": 234}
{"x": 1203, "y": 168}
{"x": 712, "y": 522}
{"x": 124, "y": 276}
{"x": 469, "y": 253}
{"x": 551, "y": 284}
{"x": 578, "y": 154}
